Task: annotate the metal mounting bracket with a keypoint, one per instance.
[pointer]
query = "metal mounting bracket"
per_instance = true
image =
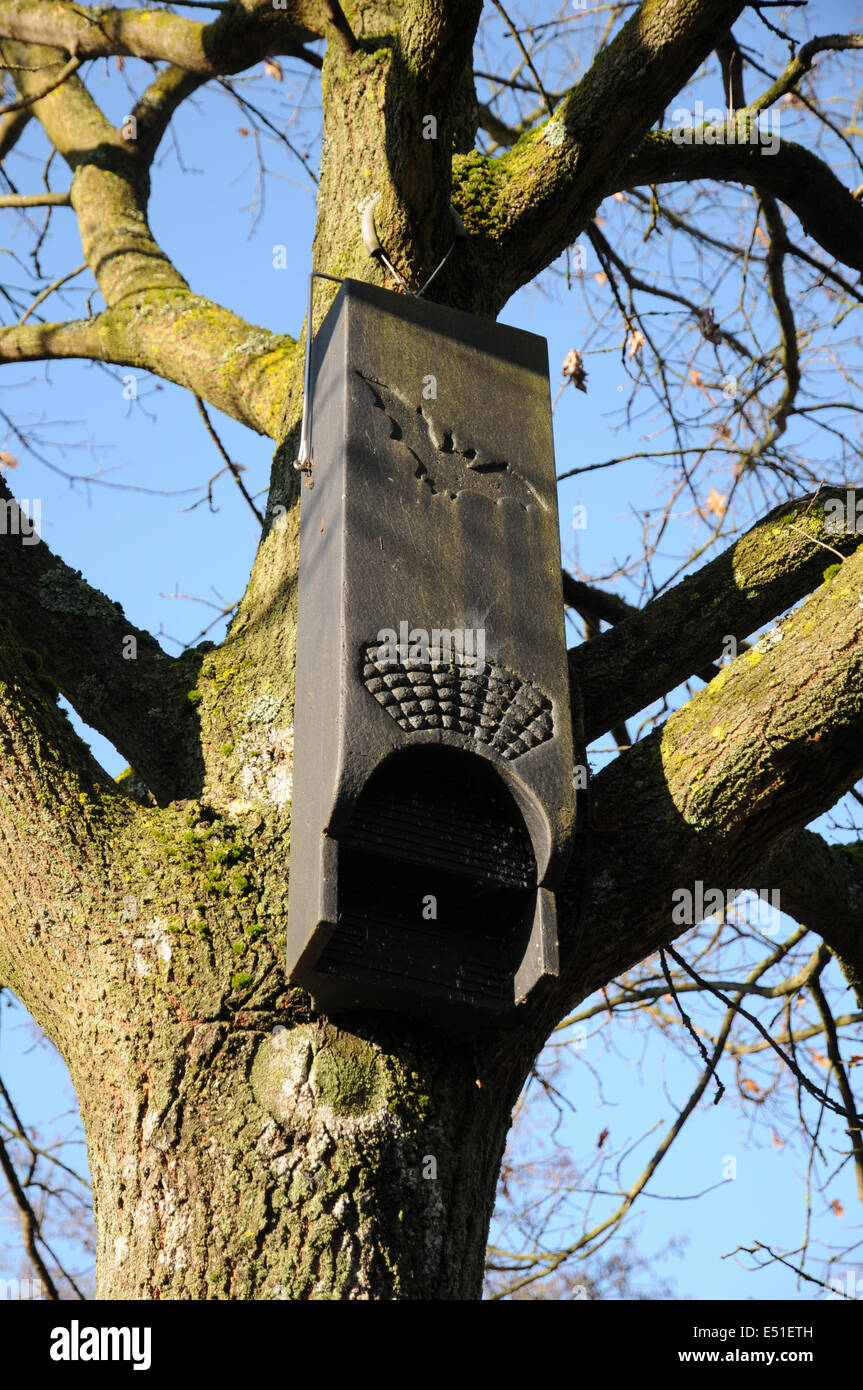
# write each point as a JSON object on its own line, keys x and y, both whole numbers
{"x": 371, "y": 241}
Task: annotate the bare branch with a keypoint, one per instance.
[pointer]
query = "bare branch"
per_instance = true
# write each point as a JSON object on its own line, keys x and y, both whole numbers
{"x": 801, "y": 63}
{"x": 590, "y": 1237}
{"x": 154, "y": 109}
{"x": 29, "y": 1222}
{"x": 234, "y": 40}
{"x": 231, "y": 466}
{"x": 49, "y": 290}
{"x": 36, "y": 200}
{"x": 66, "y": 71}
{"x": 827, "y": 210}
{"x": 83, "y": 642}
{"x": 525, "y": 54}
{"x": 11, "y": 127}
{"x": 774, "y": 565}
{"x": 336, "y": 16}
{"x": 779, "y": 248}
{"x": 854, "y": 1126}
{"x": 543, "y": 193}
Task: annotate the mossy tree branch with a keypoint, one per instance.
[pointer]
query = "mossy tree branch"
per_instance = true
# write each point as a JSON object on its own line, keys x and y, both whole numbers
{"x": 155, "y": 107}
{"x": 242, "y": 370}
{"x": 238, "y": 38}
{"x": 58, "y": 812}
{"x": 11, "y": 129}
{"x": 429, "y": 77}
{"x": 117, "y": 676}
{"x": 247, "y": 372}
{"x": 109, "y": 186}
{"x": 774, "y": 741}
{"x": 774, "y": 565}
{"x": 822, "y": 886}
{"x": 537, "y": 198}
{"x": 825, "y": 208}
{"x": 523, "y": 209}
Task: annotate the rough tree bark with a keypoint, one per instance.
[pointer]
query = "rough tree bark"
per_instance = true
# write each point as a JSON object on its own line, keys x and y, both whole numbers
{"x": 242, "y": 1147}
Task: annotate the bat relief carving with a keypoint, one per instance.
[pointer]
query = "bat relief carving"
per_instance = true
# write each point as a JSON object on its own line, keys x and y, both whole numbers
{"x": 443, "y": 462}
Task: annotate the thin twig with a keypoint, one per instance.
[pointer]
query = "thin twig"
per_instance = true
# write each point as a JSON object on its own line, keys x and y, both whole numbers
{"x": 280, "y": 134}
{"x": 524, "y": 53}
{"x": 19, "y": 104}
{"x": 234, "y": 470}
{"x": 789, "y": 1061}
{"x": 820, "y": 1001}
{"x": 687, "y": 1021}
{"x": 36, "y": 200}
{"x": 758, "y": 1246}
{"x": 29, "y": 1222}
{"x": 49, "y": 289}
{"x": 590, "y": 1238}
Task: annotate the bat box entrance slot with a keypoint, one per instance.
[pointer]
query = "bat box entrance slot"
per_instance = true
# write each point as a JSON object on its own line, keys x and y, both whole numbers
{"x": 437, "y": 879}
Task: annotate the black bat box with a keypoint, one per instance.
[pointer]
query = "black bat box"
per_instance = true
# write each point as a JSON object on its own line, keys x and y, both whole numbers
{"x": 433, "y": 800}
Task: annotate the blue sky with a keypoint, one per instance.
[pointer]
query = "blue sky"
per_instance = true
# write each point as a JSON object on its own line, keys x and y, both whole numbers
{"x": 142, "y": 546}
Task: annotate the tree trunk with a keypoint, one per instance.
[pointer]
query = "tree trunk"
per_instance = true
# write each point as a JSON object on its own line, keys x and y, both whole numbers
{"x": 300, "y": 1161}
